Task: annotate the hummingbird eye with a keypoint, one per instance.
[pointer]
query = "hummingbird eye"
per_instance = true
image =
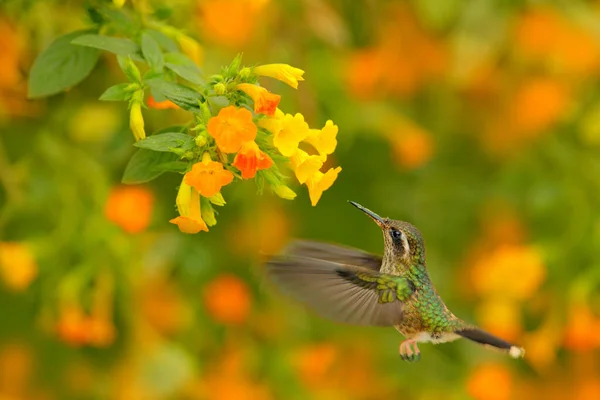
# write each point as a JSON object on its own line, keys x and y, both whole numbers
{"x": 395, "y": 233}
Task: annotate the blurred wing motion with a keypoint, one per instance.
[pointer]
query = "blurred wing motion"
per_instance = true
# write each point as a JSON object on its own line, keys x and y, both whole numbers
{"x": 342, "y": 292}
{"x": 334, "y": 253}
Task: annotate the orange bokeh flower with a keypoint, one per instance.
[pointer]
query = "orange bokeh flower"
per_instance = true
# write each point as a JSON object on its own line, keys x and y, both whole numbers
{"x": 130, "y": 207}
{"x": 314, "y": 363}
{"x": 18, "y": 267}
{"x": 230, "y": 22}
{"x": 494, "y": 273}
{"x": 227, "y": 300}
{"x": 500, "y": 317}
{"x": 232, "y": 127}
{"x": 250, "y": 159}
{"x": 412, "y": 146}
{"x": 265, "y": 102}
{"x": 490, "y": 382}
{"x": 581, "y": 331}
{"x": 160, "y": 105}
{"x": 538, "y": 104}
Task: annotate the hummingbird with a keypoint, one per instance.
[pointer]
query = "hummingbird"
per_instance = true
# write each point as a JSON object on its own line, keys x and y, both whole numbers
{"x": 355, "y": 287}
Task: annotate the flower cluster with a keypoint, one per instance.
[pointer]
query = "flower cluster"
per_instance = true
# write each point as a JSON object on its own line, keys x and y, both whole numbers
{"x": 250, "y": 138}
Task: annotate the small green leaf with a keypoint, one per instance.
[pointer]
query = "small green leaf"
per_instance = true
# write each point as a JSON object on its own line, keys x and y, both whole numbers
{"x": 167, "y": 142}
{"x": 117, "y": 93}
{"x": 144, "y": 166}
{"x": 61, "y": 66}
{"x": 120, "y": 46}
{"x": 152, "y": 53}
{"x": 183, "y": 96}
{"x": 163, "y": 40}
{"x": 172, "y": 166}
{"x": 184, "y": 67}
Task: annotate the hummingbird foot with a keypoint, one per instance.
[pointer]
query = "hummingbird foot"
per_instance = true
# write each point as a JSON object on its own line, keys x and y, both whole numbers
{"x": 409, "y": 351}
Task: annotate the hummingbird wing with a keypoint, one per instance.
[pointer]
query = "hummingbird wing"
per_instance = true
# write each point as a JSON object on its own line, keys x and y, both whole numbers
{"x": 344, "y": 293}
{"x": 334, "y": 253}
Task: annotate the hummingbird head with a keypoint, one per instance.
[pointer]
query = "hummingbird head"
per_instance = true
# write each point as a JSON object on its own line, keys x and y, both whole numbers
{"x": 402, "y": 240}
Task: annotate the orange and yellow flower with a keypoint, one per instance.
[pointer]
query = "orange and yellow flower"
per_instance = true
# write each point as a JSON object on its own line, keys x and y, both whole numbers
{"x": 265, "y": 102}
{"x": 188, "y": 205}
{"x": 324, "y": 140}
{"x": 18, "y": 267}
{"x": 490, "y": 382}
{"x": 250, "y": 159}
{"x": 305, "y": 166}
{"x": 283, "y": 72}
{"x": 208, "y": 177}
{"x": 320, "y": 182}
{"x": 232, "y": 127}
{"x": 130, "y": 207}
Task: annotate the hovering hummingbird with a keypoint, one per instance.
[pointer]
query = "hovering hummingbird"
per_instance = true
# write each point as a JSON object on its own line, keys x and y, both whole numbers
{"x": 355, "y": 287}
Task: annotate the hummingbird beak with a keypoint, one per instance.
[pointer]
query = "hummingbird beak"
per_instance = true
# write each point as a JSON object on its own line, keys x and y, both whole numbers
{"x": 378, "y": 220}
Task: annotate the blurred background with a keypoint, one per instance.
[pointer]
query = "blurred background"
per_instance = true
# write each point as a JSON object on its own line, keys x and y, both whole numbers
{"x": 478, "y": 122}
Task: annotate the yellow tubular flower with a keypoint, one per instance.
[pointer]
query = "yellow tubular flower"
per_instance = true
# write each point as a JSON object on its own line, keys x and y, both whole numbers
{"x": 188, "y": 205}
{"x": 320, "y": 182}
{"x": 293, "y": 131}
{"x": 136, "y": 121}
{"x": 284, "y": 192}
{"x": 191, "y": 48}
{"x": 305, "y": 165}
{"x": 283, "y": 72}
{"x": 324, "y": 140}
{"x": 217, "y": 199}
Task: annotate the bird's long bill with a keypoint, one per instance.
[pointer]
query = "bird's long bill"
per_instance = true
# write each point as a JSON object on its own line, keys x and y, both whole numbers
{"x": 370, "y": 213}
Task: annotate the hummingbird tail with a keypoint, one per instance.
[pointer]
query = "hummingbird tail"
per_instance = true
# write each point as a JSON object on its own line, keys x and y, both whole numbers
{"x": 487, "y": 339}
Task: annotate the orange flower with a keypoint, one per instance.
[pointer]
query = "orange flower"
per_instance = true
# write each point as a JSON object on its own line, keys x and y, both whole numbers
{"x": 500, "y": 317}
{"x": 232, "y": 127}
{"x": 265, "y": 102}
{"x": 494, "y": 273}
{"x": 538, "y": 104}
{"x": 230, "y": 22}
{"x": 251, "y": 159}
{"x": 581, "y": 332}
{"x": 363, "y": 73}
{"x": 160, "y": 105}
{"x": 314, "y": 363}
{"x": 490, "y": 382}
{"x": 130, "y": 207}
{"x": 72, "y": 326}
{"x": 412, "y": 146}
{"x": 227, "y": 300}
{"x": 18, "y": 267}
{"x": 208, "y": 177}
{"x": 188, "y": 205}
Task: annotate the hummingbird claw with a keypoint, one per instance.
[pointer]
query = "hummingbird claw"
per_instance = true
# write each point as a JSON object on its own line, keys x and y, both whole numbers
{"x": 409, "y": 351}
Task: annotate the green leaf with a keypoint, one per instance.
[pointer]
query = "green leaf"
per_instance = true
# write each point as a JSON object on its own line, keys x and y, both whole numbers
{"x": 145, "y": 166}
{"x": 163, "y": 40}
{"x": 183, "y": 96}
{"x": 172, "y": 166}
{"x": 117, "y": 93}
{"x": 152, "y": 52}
{"x": 61, "y": 66}
{"x": 184, "y": 67}
{"x": 120, "y": 46}
{"x": 167, "y": 142}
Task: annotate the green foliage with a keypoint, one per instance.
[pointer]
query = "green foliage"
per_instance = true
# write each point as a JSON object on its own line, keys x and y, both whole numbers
{"x": 61, "y": 66}
{"x": 169, "y": 141}
{"x": 146, "y": 165}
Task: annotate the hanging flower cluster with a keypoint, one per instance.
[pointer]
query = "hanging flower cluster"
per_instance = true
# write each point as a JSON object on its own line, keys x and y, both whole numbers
{"x": 240, "y": 133}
